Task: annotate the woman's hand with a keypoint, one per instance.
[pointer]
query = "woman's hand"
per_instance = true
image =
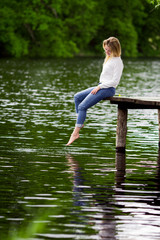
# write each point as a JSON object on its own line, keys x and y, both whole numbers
{"x": 95, "y": 90}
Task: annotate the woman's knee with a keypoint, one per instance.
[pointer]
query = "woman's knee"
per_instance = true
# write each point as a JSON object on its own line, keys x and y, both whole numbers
{"x": 81, "y": 107}
{"x": 76, "y": 96}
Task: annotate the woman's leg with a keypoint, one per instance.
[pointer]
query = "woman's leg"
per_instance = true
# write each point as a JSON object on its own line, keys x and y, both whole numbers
{"x": 90, "y": 101}
{"x": 74, "y": 136}
{"x": 80, "y": 96}
{"x": 87, "y": 102}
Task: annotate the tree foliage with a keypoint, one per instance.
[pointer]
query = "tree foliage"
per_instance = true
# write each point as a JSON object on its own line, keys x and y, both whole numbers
{"x": 155, "y": 2}
{"x": 63, "y": 28}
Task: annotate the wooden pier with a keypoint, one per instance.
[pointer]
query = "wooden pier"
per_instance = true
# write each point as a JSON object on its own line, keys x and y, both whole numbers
{"x": 125, "y": 103}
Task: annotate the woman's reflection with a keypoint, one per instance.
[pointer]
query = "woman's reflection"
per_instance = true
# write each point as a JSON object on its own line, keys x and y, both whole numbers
{"x": 101, "y": 200}
{"x": 77, "y": 179}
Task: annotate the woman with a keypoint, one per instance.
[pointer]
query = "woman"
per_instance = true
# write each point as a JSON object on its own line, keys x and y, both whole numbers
{"x": 109, "y": 80}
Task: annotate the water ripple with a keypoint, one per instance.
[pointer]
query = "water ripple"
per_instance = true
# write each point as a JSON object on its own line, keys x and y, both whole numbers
{"x": 86, "y": 191}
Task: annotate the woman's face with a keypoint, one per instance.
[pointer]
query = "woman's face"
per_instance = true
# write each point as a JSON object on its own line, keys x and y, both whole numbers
{"x": 107, "y": 50}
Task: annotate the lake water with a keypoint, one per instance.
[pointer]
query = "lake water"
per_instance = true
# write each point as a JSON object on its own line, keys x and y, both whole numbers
{"x": 86, "y": 190}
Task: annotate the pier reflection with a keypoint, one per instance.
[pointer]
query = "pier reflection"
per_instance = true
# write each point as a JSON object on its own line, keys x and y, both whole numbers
{"x": 157, "y": 199}
{"x": 120, "y": 163}
{"x": 106, "y": 206}
{"x": 95, "y": 199}
{"x": 158, "y": 164}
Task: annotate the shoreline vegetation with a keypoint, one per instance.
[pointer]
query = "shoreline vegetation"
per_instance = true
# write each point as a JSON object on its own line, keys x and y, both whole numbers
{"x": 64, "y": 28}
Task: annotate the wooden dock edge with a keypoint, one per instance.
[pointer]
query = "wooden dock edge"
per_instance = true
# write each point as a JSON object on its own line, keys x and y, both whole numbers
{"x": 159, "y": 126}
{"x": 125, "y": 103}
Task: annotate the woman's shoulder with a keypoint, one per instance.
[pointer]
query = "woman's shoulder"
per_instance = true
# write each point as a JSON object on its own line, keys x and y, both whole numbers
{"x": 113, "y": 61}
{"x": 117, "y": 60}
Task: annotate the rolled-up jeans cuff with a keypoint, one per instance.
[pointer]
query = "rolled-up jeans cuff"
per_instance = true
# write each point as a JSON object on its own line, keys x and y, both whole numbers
{"x": 79, "y": 125}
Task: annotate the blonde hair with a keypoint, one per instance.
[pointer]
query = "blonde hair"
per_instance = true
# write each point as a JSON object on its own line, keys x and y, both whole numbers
{"x": 114, "y": 45}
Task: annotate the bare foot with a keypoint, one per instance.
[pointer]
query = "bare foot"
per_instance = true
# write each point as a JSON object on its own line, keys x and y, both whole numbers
{"x": 72, "y": 139}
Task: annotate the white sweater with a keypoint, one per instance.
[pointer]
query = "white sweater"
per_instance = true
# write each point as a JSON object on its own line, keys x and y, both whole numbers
{"x": 111, "y": 73}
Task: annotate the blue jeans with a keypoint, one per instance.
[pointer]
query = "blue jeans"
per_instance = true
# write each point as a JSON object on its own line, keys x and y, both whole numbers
{"x": 84, "y": 100}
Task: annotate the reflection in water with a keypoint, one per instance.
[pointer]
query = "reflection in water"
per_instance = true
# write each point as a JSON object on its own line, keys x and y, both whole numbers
{"x": 157, "y": 199}
{"x": 102, "y": 198}
{"x": 106, "y": 201}
{"x": 140, "y": 204}
{"x": 36, "y": 117}
{"x": 77, "y": 180}
{"x": 120, "y": 211}
{"x": 121, "y": 168}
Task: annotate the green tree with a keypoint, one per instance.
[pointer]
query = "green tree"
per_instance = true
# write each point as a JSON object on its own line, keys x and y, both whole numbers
{"x": 47, "y": 27}
{"x": 11, "y": 39}
{"x": 155, "y": 2}
{"x": 149, "y": 37}
{"x": 122, "y": 19}
{"x": 64, "y": 28}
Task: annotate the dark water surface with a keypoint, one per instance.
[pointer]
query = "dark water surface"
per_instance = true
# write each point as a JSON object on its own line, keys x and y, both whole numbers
{"x": 86, "y": 190}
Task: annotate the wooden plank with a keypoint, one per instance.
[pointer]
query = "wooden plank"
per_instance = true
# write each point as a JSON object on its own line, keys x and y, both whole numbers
{"x": 121, "y": 130}
{"x": 159, "y": 126}
{"x": 136, "y": 106}
{"x": 136, "y": 102}
{"x": 156, "y": 99}
{"x": 136, "y": 99}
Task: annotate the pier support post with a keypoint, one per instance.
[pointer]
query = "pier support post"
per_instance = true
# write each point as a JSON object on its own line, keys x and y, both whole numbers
{"x": 159, "y": 125}
{"x": 121, "y": 129}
